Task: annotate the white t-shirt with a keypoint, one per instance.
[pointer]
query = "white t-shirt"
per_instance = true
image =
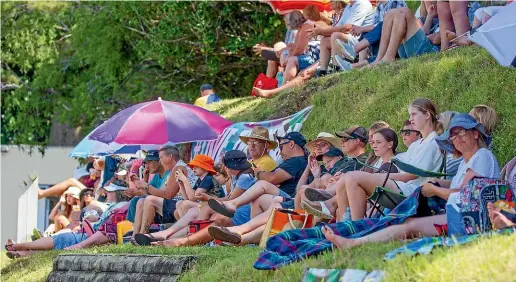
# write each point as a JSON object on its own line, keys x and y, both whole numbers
{"x": 423, "y": 154}
{"x": 483, "y": 163}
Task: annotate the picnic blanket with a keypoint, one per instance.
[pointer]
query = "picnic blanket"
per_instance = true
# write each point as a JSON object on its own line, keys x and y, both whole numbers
{"x": 425, "y": 245}
{"x": 295, "y": 245}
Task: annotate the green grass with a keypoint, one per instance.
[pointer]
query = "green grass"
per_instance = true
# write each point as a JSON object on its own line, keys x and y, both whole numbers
{"x": 489, "y": 259}
{"x": 455, "y": 80}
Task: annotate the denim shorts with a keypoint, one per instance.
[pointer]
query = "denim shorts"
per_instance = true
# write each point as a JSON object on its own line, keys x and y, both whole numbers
{"x": 417, "y": 45}
{"x": 242, "y": 215}
{"x": 374, "y": 36}
{"x": 304, "y": 61}
{"x": 68, "y": 239}
{"x": 289, "y": 204}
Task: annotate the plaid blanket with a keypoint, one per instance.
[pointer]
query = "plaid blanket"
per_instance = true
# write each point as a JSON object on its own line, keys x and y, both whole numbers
{"x": 424, "y": 246}
{"x": 295, "y": 245}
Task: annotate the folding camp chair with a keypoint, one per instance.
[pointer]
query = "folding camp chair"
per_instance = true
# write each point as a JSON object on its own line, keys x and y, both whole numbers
{"x": 383, "y": 198}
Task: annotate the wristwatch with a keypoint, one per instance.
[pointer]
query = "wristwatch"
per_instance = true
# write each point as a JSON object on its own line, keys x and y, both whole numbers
{"x": 146, "y": 187}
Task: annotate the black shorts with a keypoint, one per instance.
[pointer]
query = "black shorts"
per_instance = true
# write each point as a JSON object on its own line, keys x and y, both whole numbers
{"x": 169, "y": 207}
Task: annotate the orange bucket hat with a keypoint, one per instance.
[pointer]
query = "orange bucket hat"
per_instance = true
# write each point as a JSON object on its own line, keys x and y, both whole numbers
{"x": 203, "y": 161}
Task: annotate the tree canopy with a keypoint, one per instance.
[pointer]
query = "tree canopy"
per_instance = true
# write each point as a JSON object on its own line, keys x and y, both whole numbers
{"x": 81, "y": 62}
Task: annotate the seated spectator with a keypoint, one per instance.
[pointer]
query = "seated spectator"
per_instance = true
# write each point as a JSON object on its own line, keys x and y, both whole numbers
{"x": 223, "y": 178}
{"x": 453, "y": 16}
{"x": 242, "y": 177}
{"x": 89, "y": 206}
{"x": 373, "y": 159}
{"x": 258, "y": 145}
{"x": 324, "y": 142}
{"x": 402, "y": 34}
{"x": 160, "y": 204}
{"x": 452, "y": 162}
{"x": 408, "y": 134}
{"x": 206, "y": 187}
{"x": 465, "y": 138}
{"x": 356, "y": 13}
{"x": 282, "y": 181}
{"x": 312, "y": 13}
{"x": 299, "y": 80}
{"x": 66, "y": 212}
{"x": 115, "y": 199}
{"x": 208, "y": 96}
{"x": 423, "y": 154}
{"x": 91, "y": 181}
{"x": 370, "y": 37}
{"x": 486, "y": 116}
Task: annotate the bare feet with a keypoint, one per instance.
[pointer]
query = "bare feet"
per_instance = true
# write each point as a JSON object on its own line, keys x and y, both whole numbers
{"x": 461, "y": 40}
{"x": 498, "y": 220}
{"x": 176, "y": 242}
{"x": 9, "y": 245}
{"x": 260, "y": 92}
{"x": 338, "y": 241}
{"x": 450, "y": 35}
{"x": 74, "y": 247}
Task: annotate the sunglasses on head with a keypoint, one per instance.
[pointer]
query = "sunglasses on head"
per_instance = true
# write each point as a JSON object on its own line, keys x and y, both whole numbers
{"x": 406, "y": 132}
{"x": 88, "y": 194}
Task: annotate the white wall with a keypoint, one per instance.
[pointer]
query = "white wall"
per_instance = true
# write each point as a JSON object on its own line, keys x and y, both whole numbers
{"x": 16, "y": 164}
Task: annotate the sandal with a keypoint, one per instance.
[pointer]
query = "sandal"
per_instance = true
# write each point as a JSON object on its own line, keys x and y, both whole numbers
{"x": 323, "y": 213}
{"x": 9, "y": 247}
{"x": 223, "y": 234}
{"x": 144, "y": 240}
{"x": 317, "y": 195}
{"x": 220, "y": 208}
{"x": 13, "y": 255}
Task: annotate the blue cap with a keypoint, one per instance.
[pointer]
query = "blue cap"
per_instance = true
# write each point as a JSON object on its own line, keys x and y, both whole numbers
{"x": 332, "y": 152}
{"x": 152, "y": 155}
{"x": 206, "y": 87}
{"x": 295, "y": 136}
{"x": 460, "y": 120}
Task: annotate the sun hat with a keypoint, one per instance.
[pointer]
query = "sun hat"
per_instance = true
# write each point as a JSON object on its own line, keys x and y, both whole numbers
{"x": 332, "y": 152}
{"x": 262, "y": 133}
{"x": 465, "y": 121}
{"x": 328, "y": 137}
{"x": 203, "y": 161}
{"x": 295, "y": 136}
{"x": 236, "y": 160}
{"x": 116, "y": 186}
{"x": 74, "y": 191}
{"x": 152, "y": 155}
{"x": 354, "y": 132}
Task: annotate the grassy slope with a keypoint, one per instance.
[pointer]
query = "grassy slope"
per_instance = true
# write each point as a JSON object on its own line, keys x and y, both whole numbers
{"x": 455, "y": 80}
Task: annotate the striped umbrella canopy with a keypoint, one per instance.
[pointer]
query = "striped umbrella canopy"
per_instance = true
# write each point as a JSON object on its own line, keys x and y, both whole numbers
{"x": 160, "y": 122}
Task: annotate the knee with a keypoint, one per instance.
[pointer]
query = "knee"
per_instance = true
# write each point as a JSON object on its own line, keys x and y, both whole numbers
{"x": 139, "y": 203}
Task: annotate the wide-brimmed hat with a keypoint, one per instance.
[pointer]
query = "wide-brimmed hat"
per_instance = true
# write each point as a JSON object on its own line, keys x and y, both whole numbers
{"x": 74, "y": 191}
{"x": 236, "y": 160}
{"x": 261, "y": 133}
{"x": 332, "y": 152}
{"x": 465, "y": 121}
{"x": 354, "y": 132}
{"x": 328, "y": 137}
{"x": 203, "y": 161}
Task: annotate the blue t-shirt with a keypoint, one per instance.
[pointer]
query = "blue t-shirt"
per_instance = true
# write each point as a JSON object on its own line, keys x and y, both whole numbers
{"x": 157, "y": 181}
{"x": 242, "y": 213}
{"x": 295, "y": 167}
{"x": 213, "y": 98}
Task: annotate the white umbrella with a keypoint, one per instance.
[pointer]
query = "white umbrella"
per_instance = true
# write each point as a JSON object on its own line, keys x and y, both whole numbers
{"x": 498, "y": 36}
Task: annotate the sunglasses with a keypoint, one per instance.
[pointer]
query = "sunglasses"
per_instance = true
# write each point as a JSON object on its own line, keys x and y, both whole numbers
{"x": 88, "y": 194}
{"x": 284, "y": 143}
{"x": 254, "y": 143}
{"x": 406, "y": 132}
{"x": 459, "y": 133}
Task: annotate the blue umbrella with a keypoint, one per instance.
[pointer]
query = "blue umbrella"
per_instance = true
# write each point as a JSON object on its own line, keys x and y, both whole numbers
{"x": 88, "y": 147}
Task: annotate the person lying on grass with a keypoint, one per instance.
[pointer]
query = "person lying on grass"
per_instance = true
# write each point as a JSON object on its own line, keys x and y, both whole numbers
{"x": 87, "y": 236}
{"x": 465, "y": 138}
{"x": 237, "y": 166}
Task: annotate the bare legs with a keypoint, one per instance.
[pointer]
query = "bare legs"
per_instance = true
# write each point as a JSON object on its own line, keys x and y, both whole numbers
{"x": 412, "y": 227}
{"x": 43, "y": 244}
{"x": 96, "y": 239}
{"x": 291, "y": 68}
{"x": 272, "y": 69}
{"x": 259, "y": 188}
{"x": 296, "y": 81}
{"x": 58, "y": 189}
{"x": 325, "y": 54}
{"x": 182, "y": 223}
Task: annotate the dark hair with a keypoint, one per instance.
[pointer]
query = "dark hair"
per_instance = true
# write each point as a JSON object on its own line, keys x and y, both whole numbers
{"x": 219, "y": 168}
{"x": 171, "y": 150}
{"x": 390, "y": 136}
{"x": 89, "y": 166}
{"x": 82, "y": 204}
{"x": 295, "y": 19}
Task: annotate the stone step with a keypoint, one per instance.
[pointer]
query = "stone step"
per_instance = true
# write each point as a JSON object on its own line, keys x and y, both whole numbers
{"x": 113, "y": 267}
{"x": 83, "y": 276}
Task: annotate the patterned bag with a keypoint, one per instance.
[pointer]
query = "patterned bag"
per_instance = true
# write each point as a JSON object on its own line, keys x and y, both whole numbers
{"x": 108, "y": 227}
{"x": 285, "y": 219}
{"x": 474, "y": 198}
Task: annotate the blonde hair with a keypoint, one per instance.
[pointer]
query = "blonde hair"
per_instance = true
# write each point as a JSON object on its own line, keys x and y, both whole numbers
{"x": 486, "y": 116}
{"x": 426, "y": 105}
{"x": 445, "y": 118}
{"x": 312, "y": 13}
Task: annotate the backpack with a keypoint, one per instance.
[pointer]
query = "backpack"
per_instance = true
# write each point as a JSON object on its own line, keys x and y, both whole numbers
{"x": 116, "y": 215}
{"x": 472, "y": 216}
{"x": 508, "y": 173}
{"x": 264, "y": 82}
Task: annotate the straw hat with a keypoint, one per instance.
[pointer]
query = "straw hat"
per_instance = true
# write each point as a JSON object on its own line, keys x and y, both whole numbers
{"x": 261, "y": 133}
{"x": 203, "y": 161}
{"x": 328, "y": 137}
{"x": 74, "y": 191}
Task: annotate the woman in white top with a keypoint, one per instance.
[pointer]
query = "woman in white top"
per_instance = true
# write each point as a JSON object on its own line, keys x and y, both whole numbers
{"x": 465, "y": 138}
{"x": 423, "y": 153}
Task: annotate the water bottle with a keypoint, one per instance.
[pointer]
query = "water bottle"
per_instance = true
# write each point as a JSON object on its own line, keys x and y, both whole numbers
{"x": 347, "y": 214}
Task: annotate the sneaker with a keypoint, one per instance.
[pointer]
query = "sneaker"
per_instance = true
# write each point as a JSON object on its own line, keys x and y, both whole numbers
{"x": 343, "y": 64}
{"x": 348, "y": 51}
{"x": 320, "y": 73}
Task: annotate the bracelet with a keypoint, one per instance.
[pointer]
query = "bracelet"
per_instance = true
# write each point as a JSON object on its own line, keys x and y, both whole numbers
{"x": 146, "y": 187}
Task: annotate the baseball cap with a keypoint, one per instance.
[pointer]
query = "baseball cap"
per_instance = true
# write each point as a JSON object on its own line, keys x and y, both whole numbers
{"x": 354, "y": 132}
{"x": 206, "y": 86}
{"x": 295, "y": 136}
{"x": 332, "y": 152}
{"x": 152, "y": 155}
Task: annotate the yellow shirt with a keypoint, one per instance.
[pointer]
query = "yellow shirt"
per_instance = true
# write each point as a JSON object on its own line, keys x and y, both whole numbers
{"x": 201, "y": 102}
{"x": 266, "y": 162}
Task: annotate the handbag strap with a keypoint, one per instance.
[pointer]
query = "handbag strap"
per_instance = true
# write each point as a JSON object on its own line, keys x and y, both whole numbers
{"x": 292, "y": 222}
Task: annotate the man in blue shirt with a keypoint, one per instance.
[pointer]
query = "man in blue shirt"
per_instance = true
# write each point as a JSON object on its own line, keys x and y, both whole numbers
{"x": 208, "y": 96}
